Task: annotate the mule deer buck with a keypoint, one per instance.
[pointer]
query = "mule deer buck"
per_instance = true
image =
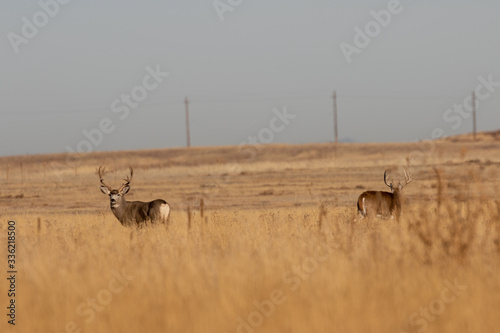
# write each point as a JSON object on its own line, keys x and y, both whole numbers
{"x": 383, "y": 204}
{"x": 133, "y": 213}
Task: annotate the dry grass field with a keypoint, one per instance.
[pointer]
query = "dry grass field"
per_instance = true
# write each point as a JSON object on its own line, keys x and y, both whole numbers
{"x": 260, "y": 240}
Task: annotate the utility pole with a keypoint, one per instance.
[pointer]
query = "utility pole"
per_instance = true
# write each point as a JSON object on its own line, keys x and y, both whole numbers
{"x": 335, "y": 129}
{"x": 188, "y": 138}
{"x": 474, "y": 115}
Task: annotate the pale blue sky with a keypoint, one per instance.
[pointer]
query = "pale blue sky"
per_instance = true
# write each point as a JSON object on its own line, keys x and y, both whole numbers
{"x": 264, "y": 55}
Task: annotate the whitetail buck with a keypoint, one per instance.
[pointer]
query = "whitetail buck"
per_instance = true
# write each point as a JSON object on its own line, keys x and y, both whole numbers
{"x": 383, "y": 204}
{"x": 134, "y": 213}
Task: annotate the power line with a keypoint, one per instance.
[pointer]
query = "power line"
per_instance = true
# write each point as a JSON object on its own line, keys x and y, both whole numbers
{"x": 474, "y": 115}
{"x": 91, "y": 109}
{"x": 188, "y": 137}
{"x": 335, "y": 125}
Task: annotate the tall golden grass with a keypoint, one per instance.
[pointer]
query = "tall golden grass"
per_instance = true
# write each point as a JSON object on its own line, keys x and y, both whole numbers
{"x": 262, "y": 252}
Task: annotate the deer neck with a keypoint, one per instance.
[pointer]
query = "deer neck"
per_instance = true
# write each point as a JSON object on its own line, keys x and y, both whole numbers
{"x": 396, "y": 194}
{"x": 119, "y": 211}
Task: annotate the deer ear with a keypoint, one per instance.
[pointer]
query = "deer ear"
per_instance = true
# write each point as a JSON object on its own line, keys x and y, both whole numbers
{"x": 125, "y": 189}
{"x": 105, "y": 190}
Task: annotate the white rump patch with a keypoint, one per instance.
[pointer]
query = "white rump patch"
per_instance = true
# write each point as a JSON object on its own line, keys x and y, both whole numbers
{"x": 164, "y": 211}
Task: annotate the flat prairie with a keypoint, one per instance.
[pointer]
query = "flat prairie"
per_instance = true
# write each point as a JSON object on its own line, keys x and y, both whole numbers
{"x": 261, "y": 239}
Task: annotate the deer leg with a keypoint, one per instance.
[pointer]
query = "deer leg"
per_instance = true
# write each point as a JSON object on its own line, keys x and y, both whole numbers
{"x": 361, "y": 215}
{"x": 361, "y": 211}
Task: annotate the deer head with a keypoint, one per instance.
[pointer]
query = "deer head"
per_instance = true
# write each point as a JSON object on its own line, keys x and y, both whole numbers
{"x": 408, "y": 179}
{"x": 117, "y": 197}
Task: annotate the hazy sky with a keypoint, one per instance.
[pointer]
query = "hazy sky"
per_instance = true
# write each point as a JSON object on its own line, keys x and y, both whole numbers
{"x": 265, "y": 69}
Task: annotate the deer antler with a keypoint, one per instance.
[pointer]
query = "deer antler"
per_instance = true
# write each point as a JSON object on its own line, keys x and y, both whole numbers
{"x": 385, "y": 179}
{"x": 128, "y": 179}
{"x": 408, "y": 178}
{"x": 100, "y": 172}
{"x": 408, "y": 175}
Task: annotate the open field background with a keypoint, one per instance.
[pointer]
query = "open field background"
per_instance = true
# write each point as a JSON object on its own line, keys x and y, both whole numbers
{"x": 261, "y": 240}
